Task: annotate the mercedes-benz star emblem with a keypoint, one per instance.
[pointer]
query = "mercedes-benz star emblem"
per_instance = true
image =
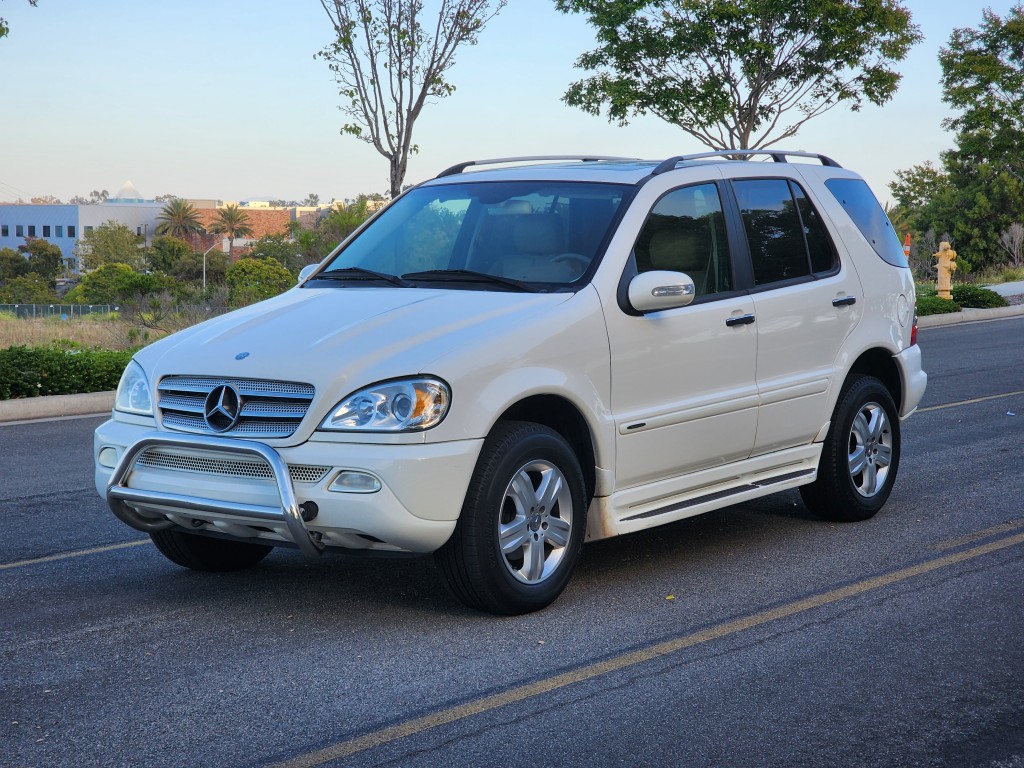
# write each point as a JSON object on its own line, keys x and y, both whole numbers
{"x": 222, "y": 408}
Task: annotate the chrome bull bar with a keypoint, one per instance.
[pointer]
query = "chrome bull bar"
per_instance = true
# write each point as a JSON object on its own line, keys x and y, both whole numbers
{"x": 120, "y": 496}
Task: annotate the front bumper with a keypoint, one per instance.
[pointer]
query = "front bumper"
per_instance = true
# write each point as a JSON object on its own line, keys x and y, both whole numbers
{"x": 250, "y": 491}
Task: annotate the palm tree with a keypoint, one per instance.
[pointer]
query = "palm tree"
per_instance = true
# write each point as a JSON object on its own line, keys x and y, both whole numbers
{"x": 233, "y": 222}
{"x": 179, "y": 218}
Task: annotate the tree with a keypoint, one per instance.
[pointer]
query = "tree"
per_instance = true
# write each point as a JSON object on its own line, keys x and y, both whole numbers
{"x": 5, "y": 28}
{"x": 12, "y": 264}
{"x": 387, "y": 66}
{"x": 44, "y": 258}
{"x": 189, "y": 268}
{"x": 110, "y": 243}
{"x": 115, "y": 283}
{"x": 231, "y": 221}
{"x": 1012, "y": 241}
{"x": 279, "y": 247}
{"x": 98, "y": 196}
{"x": 179, "y": 218}
{"x": 252, "y": 280}
{"x": 983, "y": 77}
{"x": 27, "y": 289}
{"x": 167, "y": 251}
{"x": 739, "y": 73}
{"x": 46, "y": 200}
{"x": 312, "y": 200}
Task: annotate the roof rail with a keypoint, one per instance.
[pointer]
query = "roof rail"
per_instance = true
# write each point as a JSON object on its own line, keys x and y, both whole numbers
{"x": 778, "y": 155}
{"x": 456, "y": 169}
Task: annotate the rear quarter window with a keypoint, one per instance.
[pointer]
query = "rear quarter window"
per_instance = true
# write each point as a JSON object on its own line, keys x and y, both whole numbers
{"x": 863, "y": 209}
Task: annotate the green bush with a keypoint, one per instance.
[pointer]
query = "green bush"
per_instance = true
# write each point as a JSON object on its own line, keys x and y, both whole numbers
{"x": 979, "y": 298}
{"x": 64, "y": 368}
{"x": 933, "y": 305}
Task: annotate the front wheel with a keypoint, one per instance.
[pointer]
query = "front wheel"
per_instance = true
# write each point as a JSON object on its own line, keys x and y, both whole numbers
{"x": 521, "y": 528}
{"x": 860, "y": 455}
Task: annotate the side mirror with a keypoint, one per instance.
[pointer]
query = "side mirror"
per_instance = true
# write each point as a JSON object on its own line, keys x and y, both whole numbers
{"x": 305, "y": 272}
{"x": 658, "y": 290}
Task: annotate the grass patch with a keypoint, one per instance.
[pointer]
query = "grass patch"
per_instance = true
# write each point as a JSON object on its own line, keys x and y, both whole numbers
{"x": 107, "y": 331}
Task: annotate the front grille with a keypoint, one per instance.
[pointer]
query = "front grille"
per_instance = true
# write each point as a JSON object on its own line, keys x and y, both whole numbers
{"x": 226, "y": 467}
{"x": 268, "y": 409}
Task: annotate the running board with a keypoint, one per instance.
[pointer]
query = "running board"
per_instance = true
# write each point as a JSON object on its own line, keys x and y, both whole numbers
{"x": 720, "y": 495}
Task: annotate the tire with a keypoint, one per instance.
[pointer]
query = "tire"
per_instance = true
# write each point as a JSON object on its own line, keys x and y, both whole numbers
{"x": 521, "y": 529}
{"x": 205, "y": 553}
{"x": 860, "y": 456}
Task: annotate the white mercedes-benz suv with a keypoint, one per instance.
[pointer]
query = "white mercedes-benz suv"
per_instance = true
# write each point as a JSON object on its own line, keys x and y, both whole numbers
{"x": 519, "y": 356}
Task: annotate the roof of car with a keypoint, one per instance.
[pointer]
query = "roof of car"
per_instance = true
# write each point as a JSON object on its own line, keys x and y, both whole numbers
{"x": 596, "y": 168}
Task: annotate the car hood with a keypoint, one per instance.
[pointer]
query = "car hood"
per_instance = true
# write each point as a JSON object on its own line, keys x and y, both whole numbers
{"x": 338, "y": 339}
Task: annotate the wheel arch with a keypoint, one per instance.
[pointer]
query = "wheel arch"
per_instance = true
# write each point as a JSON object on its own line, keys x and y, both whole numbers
{"x": 566, "y": 419}
{"x": 878, "y": 362}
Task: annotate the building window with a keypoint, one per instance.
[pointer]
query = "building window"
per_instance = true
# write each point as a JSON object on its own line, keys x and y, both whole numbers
{"x": 46, "y": 230}
{"x": 88, "y": 230}
{"x": 59, "y": 230}
{"x": 4, "y": 231}
{"x": 138, "y": 231}
{"x": 19, "y": 230}
{"x": 71, "y": 230}
{"x": 31, "y": 230}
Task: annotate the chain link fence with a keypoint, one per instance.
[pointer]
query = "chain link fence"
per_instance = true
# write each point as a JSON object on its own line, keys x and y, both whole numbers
{"x": 63, "y": 311}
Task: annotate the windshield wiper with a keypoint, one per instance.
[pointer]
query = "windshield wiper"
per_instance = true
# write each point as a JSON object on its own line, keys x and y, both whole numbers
{"x": 468, "y": 276}
{"x": 360, "y": 273}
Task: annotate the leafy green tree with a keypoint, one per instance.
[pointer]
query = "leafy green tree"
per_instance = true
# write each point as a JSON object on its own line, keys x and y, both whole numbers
{"x": 179, "y": 218}
{"x": 280, "y": 247}
{"x": 115, "y": 283}
{"x": 312, "y": 199}
{"x": 110, "y": 243}
{"x": 252, "y": 280}
{"x": 189, "y": 268}
{"x": 27, "y": 289}
{"x": 979, "y": 192}
{"x": 12, "y": 264}
{"x": 5, "y": 27}
{"x": 387, "y": 66}
{"x": 166, "y": 252}
{"x": 739, "y": 73}
{"x": 44, "y": 258}
{"x": 232, "y": 222}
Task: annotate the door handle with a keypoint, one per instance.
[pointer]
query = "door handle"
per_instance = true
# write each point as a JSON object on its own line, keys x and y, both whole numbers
{"x": 844, "y": 302}
{"x": 741, "y": 320}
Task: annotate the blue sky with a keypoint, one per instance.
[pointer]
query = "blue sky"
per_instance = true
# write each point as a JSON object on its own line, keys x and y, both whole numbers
{"x": 223, "y": 99}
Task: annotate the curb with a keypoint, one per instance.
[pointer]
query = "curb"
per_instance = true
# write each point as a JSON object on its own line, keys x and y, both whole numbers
{"x": 55, "y": 406}
{"x": 969, "y": 316}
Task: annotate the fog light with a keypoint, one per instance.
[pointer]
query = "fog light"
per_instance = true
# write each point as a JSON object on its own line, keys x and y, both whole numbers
{"x": 355, "y": 482}
{"x": 107, "y": 457}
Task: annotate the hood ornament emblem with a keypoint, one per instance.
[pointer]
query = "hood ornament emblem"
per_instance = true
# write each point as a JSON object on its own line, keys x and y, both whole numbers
{"x": 222, "y": 408}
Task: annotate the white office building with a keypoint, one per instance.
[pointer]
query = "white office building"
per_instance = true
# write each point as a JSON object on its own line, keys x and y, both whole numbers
{"x": 63, "y": 225}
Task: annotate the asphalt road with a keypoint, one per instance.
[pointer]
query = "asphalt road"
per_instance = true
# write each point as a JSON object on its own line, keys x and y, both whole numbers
{"x": 752, "y": 636}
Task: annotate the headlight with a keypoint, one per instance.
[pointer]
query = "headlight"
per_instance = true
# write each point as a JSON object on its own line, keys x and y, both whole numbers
{"x": 133, "y": 391}
{"x": 408, "y": 405}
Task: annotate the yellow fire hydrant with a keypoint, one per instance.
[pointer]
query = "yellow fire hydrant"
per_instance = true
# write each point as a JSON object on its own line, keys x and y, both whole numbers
{"x": 945, "y": 266}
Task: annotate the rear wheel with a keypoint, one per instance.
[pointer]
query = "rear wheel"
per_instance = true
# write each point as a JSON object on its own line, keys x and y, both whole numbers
{"x": 860, "y": 455}
{"x": 204, "y": 553}
{"x": 521, "y": 528}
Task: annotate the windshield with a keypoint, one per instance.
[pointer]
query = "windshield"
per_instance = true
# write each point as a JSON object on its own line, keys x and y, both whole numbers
{"x": 491, "y": 235}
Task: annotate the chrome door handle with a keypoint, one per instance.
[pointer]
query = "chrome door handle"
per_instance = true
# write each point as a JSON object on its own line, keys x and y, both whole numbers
{"x": 741, "y": 320}
{"x": 844, "y": 302}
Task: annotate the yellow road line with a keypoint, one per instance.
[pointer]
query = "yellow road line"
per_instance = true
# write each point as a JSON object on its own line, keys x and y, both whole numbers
{"x": 1013, "y": 525}
{"x": 442, "y": 717}
{"x": 970, "y": 402}
{"x": 76, "y": 553}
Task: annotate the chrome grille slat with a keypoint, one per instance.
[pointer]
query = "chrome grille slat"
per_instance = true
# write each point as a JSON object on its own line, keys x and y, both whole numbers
{"x": 233, "y": 467}
{"x": 271, "y": 409}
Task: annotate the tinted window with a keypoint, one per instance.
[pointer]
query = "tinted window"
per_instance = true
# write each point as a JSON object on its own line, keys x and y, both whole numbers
{"x": 867, "y": 214}
{"x": 819, "y": 245}
{"x": 685, "y": 232}
{"x": 774, "y": 231}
